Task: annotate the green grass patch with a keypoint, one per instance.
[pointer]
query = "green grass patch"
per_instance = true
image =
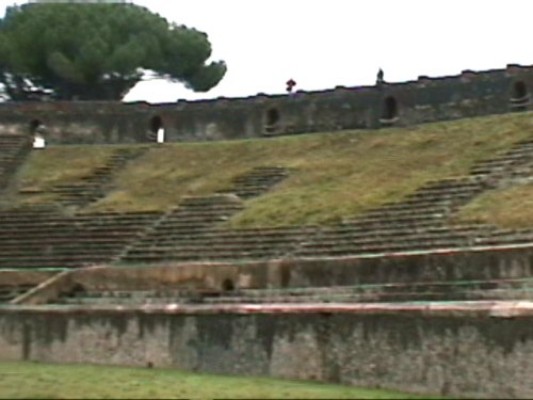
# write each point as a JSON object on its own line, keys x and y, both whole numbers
{"x": 22, "y": 380}
{"x": 55, "y": 166}
{"x": 334, "y": 176}
{"x": 507, "y": 207}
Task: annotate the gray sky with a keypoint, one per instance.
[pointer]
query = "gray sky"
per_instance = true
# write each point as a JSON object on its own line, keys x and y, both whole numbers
{"x": 325, "y": 43}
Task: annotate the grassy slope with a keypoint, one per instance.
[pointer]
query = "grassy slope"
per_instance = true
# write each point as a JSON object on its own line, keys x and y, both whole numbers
{"x": 334, "y": 175}
{"x": 45, "y": 381}
{"x": 508, "y": 208}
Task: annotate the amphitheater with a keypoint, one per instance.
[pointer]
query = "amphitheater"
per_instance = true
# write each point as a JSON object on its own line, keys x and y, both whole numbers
{"x": 389, "y": 290}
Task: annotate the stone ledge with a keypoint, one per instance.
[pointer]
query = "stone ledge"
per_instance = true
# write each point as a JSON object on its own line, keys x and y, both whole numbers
{"x": 460, "y": 309}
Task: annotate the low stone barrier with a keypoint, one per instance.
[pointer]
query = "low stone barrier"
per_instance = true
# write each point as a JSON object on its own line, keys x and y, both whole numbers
{"x": 460, "y": 349}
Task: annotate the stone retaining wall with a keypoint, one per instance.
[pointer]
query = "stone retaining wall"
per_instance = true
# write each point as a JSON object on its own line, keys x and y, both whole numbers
{"x": 462, "y": 350}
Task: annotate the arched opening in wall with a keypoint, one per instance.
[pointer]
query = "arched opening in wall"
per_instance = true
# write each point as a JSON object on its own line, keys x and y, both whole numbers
{"x": 34, "y": 124}
{"x": 78, "y": 290}
{"x": 272, "y": 118}
{"x": 37, "y": 130}
{"x": 389, "y": 111}
{"x": 157, "y": 130}
{"x": 228, "y": 285}
{"x": 519, "y": 100}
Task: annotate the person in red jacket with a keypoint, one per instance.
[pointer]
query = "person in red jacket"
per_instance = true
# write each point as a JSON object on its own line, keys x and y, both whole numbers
{"x": 290, "y": 85}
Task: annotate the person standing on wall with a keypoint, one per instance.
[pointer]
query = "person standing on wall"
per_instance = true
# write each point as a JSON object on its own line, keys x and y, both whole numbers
{"x": 290, "y": 86}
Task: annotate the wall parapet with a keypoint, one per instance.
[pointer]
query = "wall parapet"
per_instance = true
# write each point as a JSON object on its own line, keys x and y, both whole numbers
{"x": 426, "y": 99}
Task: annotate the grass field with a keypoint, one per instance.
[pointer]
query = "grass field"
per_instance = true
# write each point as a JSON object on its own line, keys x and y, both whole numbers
{"x": 333, "y": 176}
{"x": 23, "y": 380}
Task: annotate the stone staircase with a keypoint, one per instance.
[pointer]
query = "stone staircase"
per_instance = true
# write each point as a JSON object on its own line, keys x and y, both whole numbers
{"x": 13, "y": 150}
{"x": 94, "y": 186}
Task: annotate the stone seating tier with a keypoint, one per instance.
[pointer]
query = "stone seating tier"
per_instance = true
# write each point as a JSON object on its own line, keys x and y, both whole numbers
{"x": 381, "y": 248}
{"x": 347, "y": 241}
{"x": 520, "y": 288}
{"x": 225, "y": 240}
{"x": 54, "y": 240}
{"x": 354, "y": 231}
{"x": 71, "y": 261}
{"x": 192, "y": 230}
{"x": 520, "y": 153}
{"x": 13, "y": 150}
{"x": 93, "y": 186}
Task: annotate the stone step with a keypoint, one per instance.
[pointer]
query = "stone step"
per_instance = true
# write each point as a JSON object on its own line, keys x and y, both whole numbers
{"x": 195, "y": 256}
{"x": 50, "y": 262}
{"x": 205, "y": 248}
{"x": 59, "y": 251}
{"x": 386, "y": 220}
{"x": 384, "y": 247}
{"x": 200, "y": 241}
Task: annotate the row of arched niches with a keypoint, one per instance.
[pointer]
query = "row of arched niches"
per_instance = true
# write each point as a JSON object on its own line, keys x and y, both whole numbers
{"x": 390, "y": 113}
{"x": 156, "y": 131}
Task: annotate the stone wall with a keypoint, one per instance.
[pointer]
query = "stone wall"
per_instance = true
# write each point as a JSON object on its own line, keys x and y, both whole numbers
{"x": 399, "y": 104}
{"x": 448, "y": 350}
{"x": 504, "y": 263}
{"x": 472, "y": 264}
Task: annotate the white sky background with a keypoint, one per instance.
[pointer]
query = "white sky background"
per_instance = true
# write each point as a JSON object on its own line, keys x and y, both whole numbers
{"x": 325, "y": 43}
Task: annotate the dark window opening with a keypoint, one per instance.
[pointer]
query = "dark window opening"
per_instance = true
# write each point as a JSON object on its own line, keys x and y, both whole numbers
{"x": 37, "y": 130}
{"x": 390, "y": 109}
{"x": 157, "y": 130}
{"x": 228, "y": 285}
{"x": 519, "y": 96}
{"x": 272, "y": 119}
{"x": 34, "y": 125}
{"x": 78, "y": 290}
{"x": 156, "y": 123}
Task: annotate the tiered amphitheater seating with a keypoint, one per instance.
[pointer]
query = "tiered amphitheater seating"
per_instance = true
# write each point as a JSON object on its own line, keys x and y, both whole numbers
{"x": 13, "y": 149}
{"x": 179, "y": 235}
{"x": 419, "y": 222}
{"x": 509, "y": 163}
{"x": 190, "y": 232}
{"x": 93, "y": 186}
{"x": 217, "y": 244}
{"x": 44, "y": 238}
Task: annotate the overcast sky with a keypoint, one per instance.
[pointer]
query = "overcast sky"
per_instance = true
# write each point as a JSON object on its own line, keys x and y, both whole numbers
{"x": 324, "y": 43}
